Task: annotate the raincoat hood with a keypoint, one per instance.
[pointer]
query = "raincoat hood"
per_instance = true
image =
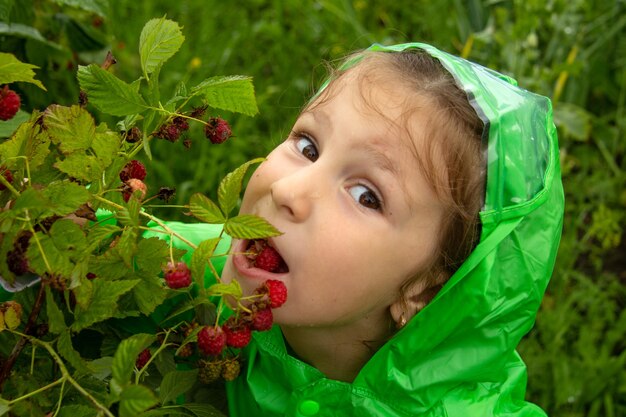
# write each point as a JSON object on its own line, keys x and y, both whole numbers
{"x": 457, "y": 356}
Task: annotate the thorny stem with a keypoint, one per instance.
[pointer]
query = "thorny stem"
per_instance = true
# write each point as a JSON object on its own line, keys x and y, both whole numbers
{"x": 37, "y": 391}
{"x": 65, "y": 373}
{"x": 152, "y": 357}
{"x": 17, "y": 349}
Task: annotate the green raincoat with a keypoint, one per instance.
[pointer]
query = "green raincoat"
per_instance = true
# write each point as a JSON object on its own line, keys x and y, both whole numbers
{"x": 457, "y": 356}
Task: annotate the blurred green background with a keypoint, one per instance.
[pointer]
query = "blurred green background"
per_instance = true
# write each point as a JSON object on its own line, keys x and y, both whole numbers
{"x": 573, "y": 51}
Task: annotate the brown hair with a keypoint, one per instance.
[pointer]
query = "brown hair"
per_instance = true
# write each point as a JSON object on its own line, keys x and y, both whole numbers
{"x": 454, "y": 138}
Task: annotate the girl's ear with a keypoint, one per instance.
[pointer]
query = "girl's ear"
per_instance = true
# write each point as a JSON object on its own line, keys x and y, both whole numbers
{"x": 413, "y": 298}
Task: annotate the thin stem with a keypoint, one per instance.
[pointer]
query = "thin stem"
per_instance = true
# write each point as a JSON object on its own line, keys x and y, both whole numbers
{"x": 17, "y": 349}
{"x": 8, "y": 185}
{"x": 66, "y": 375}
{"x": 43, "y": 253}
{"x": 56, "y": 412}
{"x": 38, "y": 391}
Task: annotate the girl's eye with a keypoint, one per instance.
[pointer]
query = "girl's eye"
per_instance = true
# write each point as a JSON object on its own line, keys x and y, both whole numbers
{"x": 365, "y": 197}
{"x": 307, "y": 148}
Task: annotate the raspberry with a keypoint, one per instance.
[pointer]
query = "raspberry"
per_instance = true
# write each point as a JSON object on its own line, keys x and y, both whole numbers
{"x": 181, "y": 123}
{"x": 133, "y": 169}
{"x": 177, "y": 276}
{"x": 9, "y": 103}
{"x": 238, "y": 334}
{"x": 262, "y": 319}
{"x": 231, "y": 369}
{"x": 268, "y": 259}
{"x": 143, "y": 358}
{"x": 7, "y": 176}
{"x": 217, "y": 130}
{"x": 17, "y": 262}
{"x": 185, "y": 351}
{"x": 169, "y": 132}
{"x": 275, "y": 290}
{"x": 133, "y": 185}
{"x": 209, "y": 371}
{"x": 211, "y": 340}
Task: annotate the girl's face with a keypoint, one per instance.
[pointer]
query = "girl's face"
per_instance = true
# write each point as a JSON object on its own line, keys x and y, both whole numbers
{"x": 358, "y": 217}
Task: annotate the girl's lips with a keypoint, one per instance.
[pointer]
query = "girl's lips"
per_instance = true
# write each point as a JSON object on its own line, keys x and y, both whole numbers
{"x": 244, "y": 266}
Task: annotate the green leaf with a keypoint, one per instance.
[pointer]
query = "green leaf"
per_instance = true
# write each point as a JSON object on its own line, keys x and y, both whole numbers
{"x": 5, "y": 13}
{"x": 230, "y": 187}
{"x": 231, "y": 93}
{"x": 203, "y": 410}
{"x": 159, "y": 41}
{"x": 59, "y": 261}
{"x": 13, "y": 70}
{"x": 108, "y": 93}
{"x": 149, "y": 294}
{"x": 573, "y": 121}
{"x": 4, "y": 407}
{"x": 135, "y": 399}
{"x": 152, "y": 253}
{"x": 220, "y": 289}
{"x": 176, "y": 383}
{"x": 106, "y": 145}
{"x": 76, "y": 410}
{"x": 98, "y": 7}
{"x": 199, "y": 259}
{"x": 205, "y": 210}
{"x": 186, "y": 306}
{"x": 66, "y": 196}
{"x": 56, "y": 321}
{"x": 126, "y": 355}
{"x": 249, "y": 226}
{"x": 64, "y": 345}
{"x": 23, "y": 31}
{"x": 81, "y": 166}
{"x": 72, "y": 128}
{"x": 83, "y": 292}
{"x": 29, "y": 141}
{"x": 103, "y": 304}
{"x": 8, "y": 127}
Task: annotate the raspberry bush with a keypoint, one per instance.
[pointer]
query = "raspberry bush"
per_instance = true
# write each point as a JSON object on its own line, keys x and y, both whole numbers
{"x": 74, "y": 257}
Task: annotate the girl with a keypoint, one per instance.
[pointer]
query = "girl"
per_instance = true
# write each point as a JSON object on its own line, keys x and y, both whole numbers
{"x": 421, "y": 204}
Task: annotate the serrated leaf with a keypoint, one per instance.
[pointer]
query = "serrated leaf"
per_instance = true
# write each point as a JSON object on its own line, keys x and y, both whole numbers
{"x": 59, "y": 261}
{"x": 103, "y": 304}
{"x": 100, "y": 232}
{"x": 65, "y": 196}
{"x": 29, "y": 141}
{"x": 234, "y": 289}
{"x": 199, "y": 259}
{"x": 126, "y": 355}
{"x": 176, "y": 383}
{"x": 149, "y": 294}
{"x": 152, "y": 253}
{"x": 13, "y": 70}
{"x": 69, "y": 238}
{"x": 136, "y": 399}
{"x": 106, "y": 145}
{"x": 203, "y": 410}
{"x": 159, "y": 41}
{"x": 205, "y": 209}
{"x": 71, "y": 128}
{"x": 83, "y": 292}
{"x": 230, "y": 187}
{"x": 56, "y": 321}
{"x": 186, "y": 306}
{"x": 81, "y": 166}
{"x": 108, "y": 93}
{"x": 231, "y": 93}
{"x": 248, "y": 226}
{"x": 75, "y": 410}
{"x": 65, "y": 348}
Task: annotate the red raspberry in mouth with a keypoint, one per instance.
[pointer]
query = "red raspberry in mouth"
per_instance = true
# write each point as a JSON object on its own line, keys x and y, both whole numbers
{"x": 263, "y": 256}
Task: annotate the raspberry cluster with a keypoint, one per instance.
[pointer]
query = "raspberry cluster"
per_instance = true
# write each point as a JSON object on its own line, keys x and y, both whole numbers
{"x": 132, "y": 176}
{"x": 177, "y": 275}
{"x": 236, "y": 332}
{"x": 216, "y": 129}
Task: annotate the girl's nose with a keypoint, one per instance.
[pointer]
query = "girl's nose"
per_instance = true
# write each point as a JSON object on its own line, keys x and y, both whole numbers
{"x": 293, "y": 197}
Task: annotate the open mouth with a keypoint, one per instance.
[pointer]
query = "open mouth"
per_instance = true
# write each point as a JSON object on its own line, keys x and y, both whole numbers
{"x": 261, "y": 254}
